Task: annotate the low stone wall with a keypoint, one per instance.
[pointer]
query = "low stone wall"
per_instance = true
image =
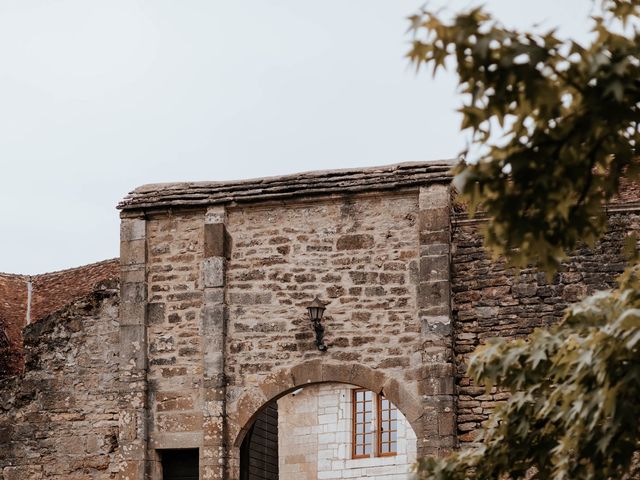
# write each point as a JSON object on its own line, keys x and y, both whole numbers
{"x": 490, "y": 300}
{"x": 59, "y": 419}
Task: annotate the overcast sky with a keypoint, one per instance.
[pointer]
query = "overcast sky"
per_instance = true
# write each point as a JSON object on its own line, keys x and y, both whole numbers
{"x": 98, "y": 97}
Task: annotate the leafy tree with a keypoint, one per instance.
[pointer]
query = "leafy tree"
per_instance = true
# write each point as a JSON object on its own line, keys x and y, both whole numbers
{"x": 568, "y": 117}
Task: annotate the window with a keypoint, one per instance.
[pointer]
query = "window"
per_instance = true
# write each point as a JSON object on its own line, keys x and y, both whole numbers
{"x": 387, "y": 427}
{"x": 375, "y": 419}
{"x": 362, "y": 423}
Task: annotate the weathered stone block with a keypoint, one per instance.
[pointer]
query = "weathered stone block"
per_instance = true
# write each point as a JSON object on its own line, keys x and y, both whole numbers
{"x": 434, "y": 220}
{"x": 433, "y": 294}
{"x": 133, "y": 346}
{"x": 132, "y": 229}
{"x": 213, "y": 270}
{"x": 439, "y": 325}
{"x": 250, "y": 298}
{"x": 133, "y": 313}
{"x": 131, "y": 292}
{"x": 213, "y": 359}
{"x": 217, "y": 241}
{"x": 354, "y": 242}
{"x": 214, "y": 320}
{"x": 435, "y": 249}
{"x": 434, "y": 196}
{"x": 213, "y": 296}
{"x": 132, "y": 274}
{"x": 434, "y": 268}
{"x": 216, "y": 214}
{"x": 133, "y": 252}
{"x": 155, "y": 313}
{"x": 438, "y": 236}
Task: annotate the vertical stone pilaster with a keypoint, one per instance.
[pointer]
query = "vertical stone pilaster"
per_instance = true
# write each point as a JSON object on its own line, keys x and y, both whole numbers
{"x": 217, "y": 245}
{"x": 434, "y": 310}
{"x": 133, "y": 420}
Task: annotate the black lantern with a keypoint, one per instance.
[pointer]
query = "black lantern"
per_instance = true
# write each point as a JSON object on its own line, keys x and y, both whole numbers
{"x": 316, "y": 310}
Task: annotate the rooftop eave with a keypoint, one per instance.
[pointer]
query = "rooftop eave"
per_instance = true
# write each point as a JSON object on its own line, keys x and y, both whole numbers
{"x": 352, "y": 180}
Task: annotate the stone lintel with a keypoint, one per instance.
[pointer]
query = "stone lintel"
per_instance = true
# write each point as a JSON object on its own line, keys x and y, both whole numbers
{"x": 160, "y": 440}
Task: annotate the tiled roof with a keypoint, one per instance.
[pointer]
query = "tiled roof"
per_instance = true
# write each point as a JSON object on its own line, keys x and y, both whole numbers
{"x": 53, "y": 291}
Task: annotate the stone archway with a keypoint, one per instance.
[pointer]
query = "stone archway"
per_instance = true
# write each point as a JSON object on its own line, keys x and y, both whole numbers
{"x": 245, "y": 407}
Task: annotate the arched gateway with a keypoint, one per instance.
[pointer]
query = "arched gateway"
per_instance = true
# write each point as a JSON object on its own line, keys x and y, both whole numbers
{"x": 216, "y": 278}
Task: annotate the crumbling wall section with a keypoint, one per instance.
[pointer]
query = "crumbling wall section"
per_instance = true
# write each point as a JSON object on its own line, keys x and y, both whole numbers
{"x": 59, "y": 418}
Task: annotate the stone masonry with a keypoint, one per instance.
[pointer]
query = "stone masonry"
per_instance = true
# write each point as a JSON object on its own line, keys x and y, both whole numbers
{"x": 208, "y": 324}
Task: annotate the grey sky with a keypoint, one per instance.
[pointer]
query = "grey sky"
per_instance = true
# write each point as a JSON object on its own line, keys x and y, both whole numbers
{"x": 98, "y": 97}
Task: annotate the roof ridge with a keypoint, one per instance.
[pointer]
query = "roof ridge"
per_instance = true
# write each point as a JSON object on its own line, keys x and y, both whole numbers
{"x": 80, "y": 267}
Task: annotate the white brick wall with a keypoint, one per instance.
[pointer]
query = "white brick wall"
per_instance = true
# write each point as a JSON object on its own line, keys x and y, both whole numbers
{"x": 314, "y": 432}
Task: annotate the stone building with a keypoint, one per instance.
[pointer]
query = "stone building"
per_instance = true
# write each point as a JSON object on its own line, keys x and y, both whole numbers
{"x": 192, "y": 356}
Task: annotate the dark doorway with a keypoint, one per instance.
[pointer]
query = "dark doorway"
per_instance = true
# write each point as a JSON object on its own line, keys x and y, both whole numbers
{"x": 259, "y": 450}
{"x": 181, "y": 464}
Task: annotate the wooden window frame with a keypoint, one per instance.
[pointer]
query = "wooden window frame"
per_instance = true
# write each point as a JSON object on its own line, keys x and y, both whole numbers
{"x": 354, "y": 394}
{"x": 377, "y": 451}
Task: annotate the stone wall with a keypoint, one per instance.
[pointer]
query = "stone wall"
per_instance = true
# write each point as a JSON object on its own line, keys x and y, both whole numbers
{"x": 315, "y": 439}
{"x": 174, "y": 331}
{"x": 360, "y": 256}
{"x": 490, "y": 300}
{"x": 59, "y": 419}
{"x": 221, "y": 294}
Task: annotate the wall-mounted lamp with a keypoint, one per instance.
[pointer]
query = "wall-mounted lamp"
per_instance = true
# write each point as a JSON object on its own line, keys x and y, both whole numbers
{"x": 316, "y": 310}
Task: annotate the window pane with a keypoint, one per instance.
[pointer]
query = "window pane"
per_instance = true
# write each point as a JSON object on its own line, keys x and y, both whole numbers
{"x": 394, "y": 436}
{"x": 394, "y": 425}
{"x": 367, "y": 417}
{"x": 385, "y": 415}
{"x": 359, "y": 395}
{"x": 367, "y": 395}
{"x": 367, "y": 449}
{"x": 359, "y": 450}
{"x": 385, "y": 437}
{"x": 359, "y": 407}
{"x": 359, "y": 428}
{"x": 384, "y": 448}
{"x": 394, "y": 413}
{"x": 394, "y": 447}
